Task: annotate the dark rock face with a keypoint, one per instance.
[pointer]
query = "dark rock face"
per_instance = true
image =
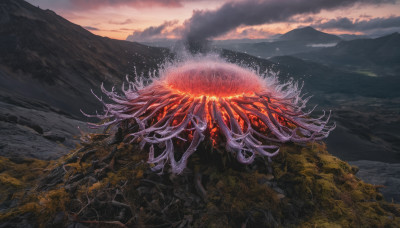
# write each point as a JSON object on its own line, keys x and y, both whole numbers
{"x": 381, "y": 173}
{"x": 36, "y": 133}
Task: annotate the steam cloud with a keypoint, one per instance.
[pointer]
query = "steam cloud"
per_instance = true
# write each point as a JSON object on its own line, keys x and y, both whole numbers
{"x": 150, "y": 32}
{"x": 206, "y": 24}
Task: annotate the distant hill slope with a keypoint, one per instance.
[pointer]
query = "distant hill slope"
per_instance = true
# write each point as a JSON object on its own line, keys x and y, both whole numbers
{"x": 381, "y": 56}
{"x": 326, "y": 79}
{"x": 295, "y": 41}
{"x": 45, "y": 57}
{"x": 309, "y": 34}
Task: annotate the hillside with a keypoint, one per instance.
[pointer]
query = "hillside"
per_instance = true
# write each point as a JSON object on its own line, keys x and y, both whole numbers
{"x": 309, "y": 34}
{"x": 48, "y": 66}
{"x": 379, "y": 57}
{"x": 106, "y": 183}
{"x": 45, "y": 57}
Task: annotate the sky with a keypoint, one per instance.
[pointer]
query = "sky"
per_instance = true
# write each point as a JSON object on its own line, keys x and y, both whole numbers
{"x": 150, "y": 20}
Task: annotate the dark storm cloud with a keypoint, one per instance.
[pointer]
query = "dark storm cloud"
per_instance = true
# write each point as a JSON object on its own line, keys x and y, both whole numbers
{"x": 95, "y": 4}
{"x": 90, "y": 28}
{"x": 150, "y": 32}
{"x": 360, "y": 25}
{"x": 205, "y": 24}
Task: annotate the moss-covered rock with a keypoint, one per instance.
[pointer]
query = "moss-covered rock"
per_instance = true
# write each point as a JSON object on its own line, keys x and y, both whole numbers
{"x": 107, "y": 183}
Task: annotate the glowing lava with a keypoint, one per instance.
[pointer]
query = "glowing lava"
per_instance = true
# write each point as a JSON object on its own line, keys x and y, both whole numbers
{"x": 249, "y": 114}
{"x": 216, "y": 79}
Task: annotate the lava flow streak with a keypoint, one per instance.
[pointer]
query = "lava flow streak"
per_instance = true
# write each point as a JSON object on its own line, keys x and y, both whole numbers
{"x": 203, "y": 98}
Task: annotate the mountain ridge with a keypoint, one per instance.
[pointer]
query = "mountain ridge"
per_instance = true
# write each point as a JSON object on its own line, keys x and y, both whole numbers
{"x": 34, "y": 57}
{"x": 379, "y": 55}
{"x": 295, "y": 41}
{"x": 309, "y": 34}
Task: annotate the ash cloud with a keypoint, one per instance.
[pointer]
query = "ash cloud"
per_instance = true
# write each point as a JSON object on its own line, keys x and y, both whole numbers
{"x": 95, "y": 4}
{"x": 345, "y": 23}
{"x": 205, "y": 24}
{"x": 151, "y": 33}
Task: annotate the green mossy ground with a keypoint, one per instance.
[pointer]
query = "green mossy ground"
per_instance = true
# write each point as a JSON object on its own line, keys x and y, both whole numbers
{"x": 106, "y": 183}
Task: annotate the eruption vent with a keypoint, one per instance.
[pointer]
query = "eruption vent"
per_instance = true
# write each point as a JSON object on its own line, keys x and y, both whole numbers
{"x": 209, "y": 98}
{"x": 213, "y": 79}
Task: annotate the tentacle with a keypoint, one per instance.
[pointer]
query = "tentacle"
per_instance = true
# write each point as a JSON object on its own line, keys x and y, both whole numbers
{"x": 160, "y": 116}
{"x": 267, "y": 121}
{"x": 231, "y": 144}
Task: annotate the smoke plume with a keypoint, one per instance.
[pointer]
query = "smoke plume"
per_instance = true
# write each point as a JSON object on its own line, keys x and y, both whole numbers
{"x": 150, "y": 32}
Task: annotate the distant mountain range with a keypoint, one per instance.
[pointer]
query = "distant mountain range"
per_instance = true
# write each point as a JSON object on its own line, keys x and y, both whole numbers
{"x": 374, "y": 57}
{"x": 309, "y": 35}
{"x": 365, "y": 56}
{"x": 298, "y": 40}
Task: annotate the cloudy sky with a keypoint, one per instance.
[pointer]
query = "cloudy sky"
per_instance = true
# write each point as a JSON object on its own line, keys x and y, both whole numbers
{"x": 146, "y": 20}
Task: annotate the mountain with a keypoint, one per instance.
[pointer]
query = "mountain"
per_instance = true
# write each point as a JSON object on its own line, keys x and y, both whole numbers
{"x": 296, "y": 41}
{"x": 352, "y": 36}
{"x": 374, "y": 57}
{"x": 48, "y": 67}
{"x": 47, "y": 58}
{"x": 309, "y": 34}
{"x": 320, "y": 78}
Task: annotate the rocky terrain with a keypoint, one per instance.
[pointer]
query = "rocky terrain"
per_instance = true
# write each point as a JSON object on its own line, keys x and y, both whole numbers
{"x": 46, "y": 135}
{"x": 106, "y": 183}
{"x": 48, "y": 67}
{"x": 45, "y": 57}
{"x": 372, "y": 57}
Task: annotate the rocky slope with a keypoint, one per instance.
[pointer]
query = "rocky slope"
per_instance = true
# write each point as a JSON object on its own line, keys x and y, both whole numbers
{"x": 45, "y": 57}
{"x": 48, "y": 67}
{"x": 373, "y": 57}
{"x": 107, "y": 183}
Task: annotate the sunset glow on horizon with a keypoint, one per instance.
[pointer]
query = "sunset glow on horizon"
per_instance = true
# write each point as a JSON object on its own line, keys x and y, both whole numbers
{"x": 166, "y": 19}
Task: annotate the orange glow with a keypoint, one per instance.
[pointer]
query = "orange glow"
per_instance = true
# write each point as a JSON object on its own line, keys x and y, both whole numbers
{"x": 248, "y": 114}
{"x": 273, "y": 108}
{"x": 214, "y": 80}
{"x": 217, "y": 84}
